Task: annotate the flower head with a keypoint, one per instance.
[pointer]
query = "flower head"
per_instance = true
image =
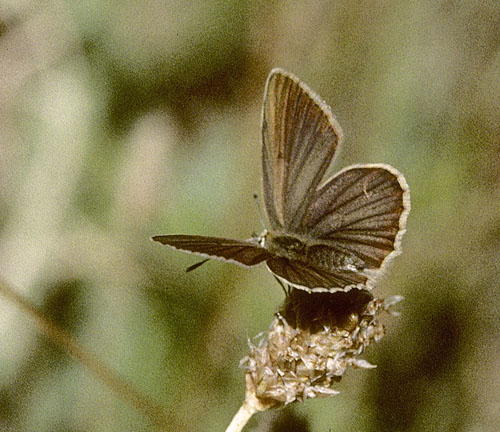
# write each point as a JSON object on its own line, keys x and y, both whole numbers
{"x": 310, "y": 344}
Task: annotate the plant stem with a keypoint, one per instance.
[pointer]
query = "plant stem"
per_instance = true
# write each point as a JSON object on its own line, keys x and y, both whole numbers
{"x": 246, "y": 411}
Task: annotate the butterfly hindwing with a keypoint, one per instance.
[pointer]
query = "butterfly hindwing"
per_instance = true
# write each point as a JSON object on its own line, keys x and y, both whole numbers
{"x": 358, "y": 216}
{"x": 305, "y": 276}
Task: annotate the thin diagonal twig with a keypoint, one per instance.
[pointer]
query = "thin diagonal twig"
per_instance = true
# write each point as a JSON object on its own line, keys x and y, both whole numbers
{"x": 142, "y": 403}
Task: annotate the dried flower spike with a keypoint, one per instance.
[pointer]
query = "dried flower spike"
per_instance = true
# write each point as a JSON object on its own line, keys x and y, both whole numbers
{"x": 310, "y": 344}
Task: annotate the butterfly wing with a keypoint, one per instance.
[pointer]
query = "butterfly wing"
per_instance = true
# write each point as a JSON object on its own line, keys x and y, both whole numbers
{"x": 357, "y": 218}
{"x": 352, "y": 228}
{"x": 353, "y": 223}
{"x": 299, "y": 135}
{"x": 315, "y": 279}
{"x": 239, "y": 252}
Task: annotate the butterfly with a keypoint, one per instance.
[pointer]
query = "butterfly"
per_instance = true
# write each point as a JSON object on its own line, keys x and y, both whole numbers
{"x": 324, "y": 236}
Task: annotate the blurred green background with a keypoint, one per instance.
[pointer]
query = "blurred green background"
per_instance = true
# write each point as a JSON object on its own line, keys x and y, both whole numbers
{"x": 125, "y": 119}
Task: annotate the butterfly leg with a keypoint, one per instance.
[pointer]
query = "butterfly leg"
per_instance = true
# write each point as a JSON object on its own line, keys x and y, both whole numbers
{"x": 282, "y": 285}
{"x": 195, "y": 266}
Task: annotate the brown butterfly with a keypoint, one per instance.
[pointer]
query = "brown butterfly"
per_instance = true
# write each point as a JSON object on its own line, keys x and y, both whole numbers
{"x": 334, "y": 236}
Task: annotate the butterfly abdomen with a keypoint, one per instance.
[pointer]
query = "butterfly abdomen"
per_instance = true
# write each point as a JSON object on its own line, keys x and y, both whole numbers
{"x": 324, "y": 256}
{"x": 313, "y": 253}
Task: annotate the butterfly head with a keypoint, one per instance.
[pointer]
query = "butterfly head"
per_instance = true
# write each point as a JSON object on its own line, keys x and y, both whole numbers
{"x": 261, "y": 238}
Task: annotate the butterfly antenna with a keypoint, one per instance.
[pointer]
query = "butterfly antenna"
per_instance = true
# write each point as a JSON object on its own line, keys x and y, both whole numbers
{"x": 261, "y": 213}
{"x": 195, "y": 266}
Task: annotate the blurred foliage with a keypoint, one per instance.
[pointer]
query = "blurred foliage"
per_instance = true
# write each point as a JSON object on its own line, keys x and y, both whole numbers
{"x": 121, "y": 120}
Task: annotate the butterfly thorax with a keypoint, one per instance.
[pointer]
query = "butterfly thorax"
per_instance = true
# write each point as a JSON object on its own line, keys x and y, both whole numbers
{"x": 286, "y": 246}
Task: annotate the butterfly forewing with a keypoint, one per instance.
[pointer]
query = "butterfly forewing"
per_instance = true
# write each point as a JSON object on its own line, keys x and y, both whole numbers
{"x": 300, "y": 136}
{"x": 237, "y": 251}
